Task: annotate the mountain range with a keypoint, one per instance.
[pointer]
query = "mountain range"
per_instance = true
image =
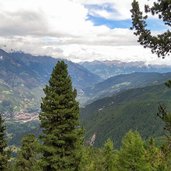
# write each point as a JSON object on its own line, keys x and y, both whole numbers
{"x": 114, "y": 96}
{"x": 23, "y": 76}
{"x": 107, "y": 69}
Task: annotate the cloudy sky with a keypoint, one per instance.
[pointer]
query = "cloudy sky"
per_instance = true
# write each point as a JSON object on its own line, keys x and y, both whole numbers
{"x": 78, "y": 30}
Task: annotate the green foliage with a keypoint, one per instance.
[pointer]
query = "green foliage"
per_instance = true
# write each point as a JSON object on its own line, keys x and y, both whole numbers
{"x": 132, "y": 109}
{"x": 3, "y": 145}
{"x": 132, "y": 155}
{"x": 92, "y": 159}
{"x": 62, "y": 135}
{"x": 155, "y": 156}
{"x": 97, "y": 159}
{"x": 166, "y": 118}
{"x": 109, "y": 155}
{"x": 27, "y": 157}
{"x": 161, "y": 43}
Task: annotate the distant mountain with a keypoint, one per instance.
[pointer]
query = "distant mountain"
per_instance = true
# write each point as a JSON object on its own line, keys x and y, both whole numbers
{"x": 135, "y": 109}
{"x": 106, "y": 69}
{"x": 42, "y": 66}
{"x": 16, "y": 81}
{"x": 23, "y": 76}
{"x": 123, "y": 82}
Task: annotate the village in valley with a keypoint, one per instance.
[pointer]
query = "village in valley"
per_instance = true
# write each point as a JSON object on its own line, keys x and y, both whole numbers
{"x": 22, "y": 116}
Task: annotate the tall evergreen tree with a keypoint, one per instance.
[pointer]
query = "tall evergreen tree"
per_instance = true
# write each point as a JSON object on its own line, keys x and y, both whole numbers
{"x": 27, "y": 158}
{"x": 62, "y": 135}
{"x": 3, "y": 145}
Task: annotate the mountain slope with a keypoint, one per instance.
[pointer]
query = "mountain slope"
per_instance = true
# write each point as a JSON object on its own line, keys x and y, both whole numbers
{"x": 16, "y": 81}
{"x": 123, "y": 82}
{"x": 132, "y": 109}
{"x": 23, "y": 76}
{"x": 43, "y": 65}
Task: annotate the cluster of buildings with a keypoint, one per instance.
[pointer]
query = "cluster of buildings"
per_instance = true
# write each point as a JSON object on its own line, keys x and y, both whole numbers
{"x": 26, "y": 117}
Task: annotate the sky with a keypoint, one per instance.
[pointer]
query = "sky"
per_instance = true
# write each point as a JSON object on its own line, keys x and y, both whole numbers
{"x": 78, "y": 30}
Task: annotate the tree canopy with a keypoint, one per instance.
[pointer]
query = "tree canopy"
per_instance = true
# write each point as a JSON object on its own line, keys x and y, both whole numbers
{"x": 3, "y": 145}
{"x": 161, "y": 43}
{"x": 62, "y": 135}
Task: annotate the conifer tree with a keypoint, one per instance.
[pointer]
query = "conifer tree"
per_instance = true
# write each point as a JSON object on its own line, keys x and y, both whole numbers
{"x": 109, "y": 156}
{"x": 87, "y": 159}
{"x": 3, "y": 145}
{"x": 166, "y": 118}
{"x": 132, "y": 154}
{"x": 155, "y": 156}
{"x": 161, "y": 43}
{"x": 26, "y": 159}
{"x": 62, "y": 135}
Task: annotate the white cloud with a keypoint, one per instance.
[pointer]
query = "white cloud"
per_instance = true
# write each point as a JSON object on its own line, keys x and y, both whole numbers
{"x": 61, "y": 28}
{"x": 123, "y": 53}
{"x": 121, "y": 10}
{"x": 22, "y": 23}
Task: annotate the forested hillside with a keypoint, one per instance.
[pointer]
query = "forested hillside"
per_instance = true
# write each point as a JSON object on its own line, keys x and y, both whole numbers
{"x": 134, "y": 109}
